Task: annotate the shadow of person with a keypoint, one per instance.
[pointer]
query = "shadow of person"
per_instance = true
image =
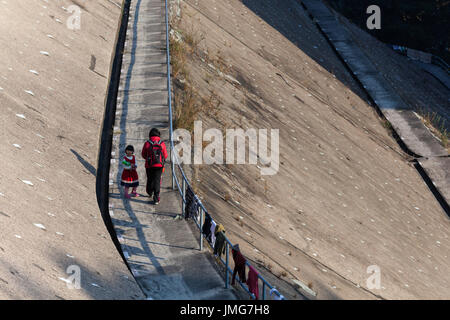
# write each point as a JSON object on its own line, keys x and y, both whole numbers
{"x": 86, "y": 164}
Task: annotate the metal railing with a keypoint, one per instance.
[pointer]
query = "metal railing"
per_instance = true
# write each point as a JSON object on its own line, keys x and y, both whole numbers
{"x": 436, "y": 60}
{"x": 441, "y": 63}
{"x": 199, "y": 216}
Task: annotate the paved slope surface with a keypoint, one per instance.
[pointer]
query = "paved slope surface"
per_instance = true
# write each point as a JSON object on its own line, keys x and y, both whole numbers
{"x": 52, "y": 87}
{"x": 381, "y": 87}
{"x": 345, "y": 197}
{"x": 417, "y": 87}
{"x": 401, "y": 115}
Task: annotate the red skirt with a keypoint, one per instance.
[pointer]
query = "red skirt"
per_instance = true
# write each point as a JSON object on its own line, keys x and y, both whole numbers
{"x": 130, "y": 178}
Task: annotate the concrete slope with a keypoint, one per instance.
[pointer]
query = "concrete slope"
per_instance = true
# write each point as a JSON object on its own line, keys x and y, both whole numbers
{"x": 390, "y": 95}
{"x": 162, "y": 252}
{"x": 417, "y": 87}
{"x": 408, "y": 126}
{"x": 52, "y": 88}
{"x": 437, "y": 72}
{"x": 345, "y": 196}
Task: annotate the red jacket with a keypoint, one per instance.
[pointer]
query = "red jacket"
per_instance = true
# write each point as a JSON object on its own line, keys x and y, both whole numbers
{"x": 239, "y": 266}
{"x": 146, "y": 151}
{"x": 252, "y": 281}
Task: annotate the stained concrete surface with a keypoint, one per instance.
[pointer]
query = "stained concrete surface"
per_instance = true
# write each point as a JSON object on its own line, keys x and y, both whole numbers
{"x": 345, "y": 196}
{"x": 52, "y": 103}
{"x": 415, "y": 135}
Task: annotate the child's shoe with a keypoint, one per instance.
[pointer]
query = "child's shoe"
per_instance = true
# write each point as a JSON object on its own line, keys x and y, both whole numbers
{"x": 135, "y": 194}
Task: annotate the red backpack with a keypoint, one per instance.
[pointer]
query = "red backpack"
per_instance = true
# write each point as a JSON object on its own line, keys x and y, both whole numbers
{"x": 156, "y": 156}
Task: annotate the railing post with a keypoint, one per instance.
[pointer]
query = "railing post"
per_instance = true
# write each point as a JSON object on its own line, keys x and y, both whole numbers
{"x": 226, "y": 267}
{"x": 264, "y": 291}
{"x": 201, "y": 225}
{"x": 183, "y": 196}
{"x": 173, "y": 171}
{"x": 169, "y": 95}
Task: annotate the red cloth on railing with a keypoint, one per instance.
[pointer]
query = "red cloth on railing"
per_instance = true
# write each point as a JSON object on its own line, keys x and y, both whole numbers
{"x": 239, "y": 266}
{"x": 252, "y": 281}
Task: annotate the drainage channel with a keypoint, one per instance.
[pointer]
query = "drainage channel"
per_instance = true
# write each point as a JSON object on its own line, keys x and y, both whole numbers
{"x": 415, "y": 157}
{"x": 103, "y": 161}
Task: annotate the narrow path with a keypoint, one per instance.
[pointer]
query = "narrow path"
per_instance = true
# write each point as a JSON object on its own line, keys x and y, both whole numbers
{"x": 409, "y": 127}
{"x": 433, "y": 159}
{"x": 162, "y": 252}
{"x": 436, "y": 71}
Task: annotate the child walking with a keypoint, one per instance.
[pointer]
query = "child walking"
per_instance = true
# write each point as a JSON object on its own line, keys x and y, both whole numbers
{"x": 130, "y": 177}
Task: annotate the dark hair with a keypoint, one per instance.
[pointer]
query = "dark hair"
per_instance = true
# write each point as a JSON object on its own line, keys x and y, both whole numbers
{"x": 154, "y": 132}
{"x": 129, "y": 147}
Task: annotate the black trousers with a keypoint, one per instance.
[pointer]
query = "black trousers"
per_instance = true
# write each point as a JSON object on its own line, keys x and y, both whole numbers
{"x": 153, "y": 181}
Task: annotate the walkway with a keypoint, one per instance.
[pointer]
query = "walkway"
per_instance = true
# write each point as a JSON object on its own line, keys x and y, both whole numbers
{"x": 162, "y": 252}
{"x": 433, "y": 158}
{"x": 418, "y": 139}
{"x": 436, "y": 71}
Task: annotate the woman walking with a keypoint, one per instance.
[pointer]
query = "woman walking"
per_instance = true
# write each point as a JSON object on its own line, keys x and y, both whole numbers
{"x": 155, "y": 154}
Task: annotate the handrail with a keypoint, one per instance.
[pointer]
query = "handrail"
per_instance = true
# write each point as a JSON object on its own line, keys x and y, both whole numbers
{"x": 441, "y": 63}
{"x": 185, "y": 181}
{"x": 436, "y": 60}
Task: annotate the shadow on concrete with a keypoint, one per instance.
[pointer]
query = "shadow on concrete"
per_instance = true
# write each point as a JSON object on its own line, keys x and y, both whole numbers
{"x": 33, "y": 289}
{"x": 145, "y": 248}
{"x": 94, "y": 285}
{"x": 121, "y": 223}
{"x": 434, "y": 190}
{"x": 290, "y": 19}
{"x": 43, "y": 282}
{"x": 86, "y": 164}
{"x": 159, "y": 213}
{"x": 172, "y": 246}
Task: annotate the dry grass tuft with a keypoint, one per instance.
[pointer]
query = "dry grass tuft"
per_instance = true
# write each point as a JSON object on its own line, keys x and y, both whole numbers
{"x": 436, "y": 124}
{"x": 188, "y": 103}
